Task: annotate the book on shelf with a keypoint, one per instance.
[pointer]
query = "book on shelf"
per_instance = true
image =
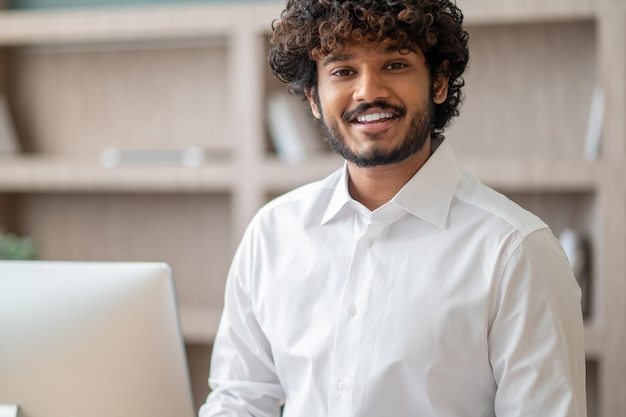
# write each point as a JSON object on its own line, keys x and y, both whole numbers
{"x": 594, "y": 125}
{"x": 8, "y": 137}
{"x": 292, "y": 130}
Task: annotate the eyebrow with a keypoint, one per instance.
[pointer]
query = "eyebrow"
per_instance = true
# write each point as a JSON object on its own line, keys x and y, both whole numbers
{"x": 333, "y": 58}
{"x": 346, "y": 57}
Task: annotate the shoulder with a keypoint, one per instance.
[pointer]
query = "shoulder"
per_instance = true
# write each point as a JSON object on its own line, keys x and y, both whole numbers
{"x": 499, "y": 225}
{"x": 527, "y": 251}
{"x": 490, "y": 205}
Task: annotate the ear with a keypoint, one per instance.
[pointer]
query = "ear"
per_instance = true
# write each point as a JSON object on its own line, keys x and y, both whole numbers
{"x": 311, "y": 95}
{"x": 440, "y": 84}
{"x": 440, "y": 90}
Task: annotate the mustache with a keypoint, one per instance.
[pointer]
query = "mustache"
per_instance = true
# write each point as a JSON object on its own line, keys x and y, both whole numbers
{"x": 381, "y": 104}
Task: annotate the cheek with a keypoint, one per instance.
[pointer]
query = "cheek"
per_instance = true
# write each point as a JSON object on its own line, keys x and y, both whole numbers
{"x": 334, "y": 104}
{"x": 333, "y": 98}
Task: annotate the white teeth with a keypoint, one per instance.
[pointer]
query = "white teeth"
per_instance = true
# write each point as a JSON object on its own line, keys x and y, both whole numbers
{"x": 373, "y": 117}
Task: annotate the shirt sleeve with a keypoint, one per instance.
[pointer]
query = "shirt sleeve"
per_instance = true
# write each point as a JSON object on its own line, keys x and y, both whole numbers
{"x": 243, "y": 376}
{"x": 536, "y": 338}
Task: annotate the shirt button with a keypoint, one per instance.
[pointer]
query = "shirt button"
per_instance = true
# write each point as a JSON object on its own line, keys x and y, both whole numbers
{"x": 341, "y": 385}
{"x": 352, "y": 311}
{"x": 370, "y": 243}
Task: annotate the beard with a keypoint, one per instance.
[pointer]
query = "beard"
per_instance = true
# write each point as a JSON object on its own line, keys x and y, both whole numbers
{"x": 414, "y": 140}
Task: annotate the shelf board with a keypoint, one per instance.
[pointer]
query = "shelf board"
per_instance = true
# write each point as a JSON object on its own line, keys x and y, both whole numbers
{"x": 500, "y": 172}
{"x": 205, "y": 21}
{"x": 510, "y": 173}
{"x": 199, "y": 324}
{"x": 56, "y": 174}
{"x": 484, "y": 12}
{"x": 133, "y": 23}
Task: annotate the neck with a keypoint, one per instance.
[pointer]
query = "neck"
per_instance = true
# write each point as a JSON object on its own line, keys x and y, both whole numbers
{"x": 375, "y": 186}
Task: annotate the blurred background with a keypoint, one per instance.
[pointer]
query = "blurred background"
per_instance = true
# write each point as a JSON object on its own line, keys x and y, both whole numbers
{"x": 153, "y": 130}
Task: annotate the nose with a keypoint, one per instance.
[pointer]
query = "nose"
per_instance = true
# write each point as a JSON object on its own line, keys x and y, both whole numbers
{"x": 370, "y": 86}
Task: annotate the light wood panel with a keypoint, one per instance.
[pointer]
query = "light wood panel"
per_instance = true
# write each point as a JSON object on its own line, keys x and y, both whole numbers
{"x": 517, "y": 99}
{"x": 190, "y": 232}
{"x": 73, "y": 102}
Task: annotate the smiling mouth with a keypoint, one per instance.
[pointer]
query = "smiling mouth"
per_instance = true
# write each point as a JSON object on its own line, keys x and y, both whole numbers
{"x": 378, "y": 111}
{"x": 374, "y": 117}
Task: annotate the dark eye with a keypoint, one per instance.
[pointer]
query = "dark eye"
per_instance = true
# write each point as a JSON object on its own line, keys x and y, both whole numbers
{"x": 341, "y": 73}
{"x": 396, "y": 66}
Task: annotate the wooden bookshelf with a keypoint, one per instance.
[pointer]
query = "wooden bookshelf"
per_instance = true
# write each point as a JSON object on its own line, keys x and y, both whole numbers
{"x": 151, "y": 77}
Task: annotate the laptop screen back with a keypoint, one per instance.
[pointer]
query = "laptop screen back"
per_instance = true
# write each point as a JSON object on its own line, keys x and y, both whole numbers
{"x": 91, "y": 339}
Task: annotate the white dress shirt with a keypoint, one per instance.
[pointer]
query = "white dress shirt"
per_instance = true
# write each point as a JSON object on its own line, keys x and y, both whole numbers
{"x": 448, "y": 301}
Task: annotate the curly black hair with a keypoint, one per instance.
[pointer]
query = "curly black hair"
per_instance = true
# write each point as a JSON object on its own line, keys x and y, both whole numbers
{"x": 311, "y": 29}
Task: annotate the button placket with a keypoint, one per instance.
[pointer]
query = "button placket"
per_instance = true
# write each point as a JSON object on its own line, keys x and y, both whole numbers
{"x": 345, "y": 360}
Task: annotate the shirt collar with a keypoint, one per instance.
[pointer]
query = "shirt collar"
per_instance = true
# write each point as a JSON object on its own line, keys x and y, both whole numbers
{"x": 428, "y": 194}
{"x": 341, "y": 196}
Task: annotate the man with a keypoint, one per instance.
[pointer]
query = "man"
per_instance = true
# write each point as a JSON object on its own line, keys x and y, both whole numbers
{"x": 399, "y": 285}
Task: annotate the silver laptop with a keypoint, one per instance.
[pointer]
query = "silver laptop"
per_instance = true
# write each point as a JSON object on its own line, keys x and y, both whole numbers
{"x": 90, "y": 339}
